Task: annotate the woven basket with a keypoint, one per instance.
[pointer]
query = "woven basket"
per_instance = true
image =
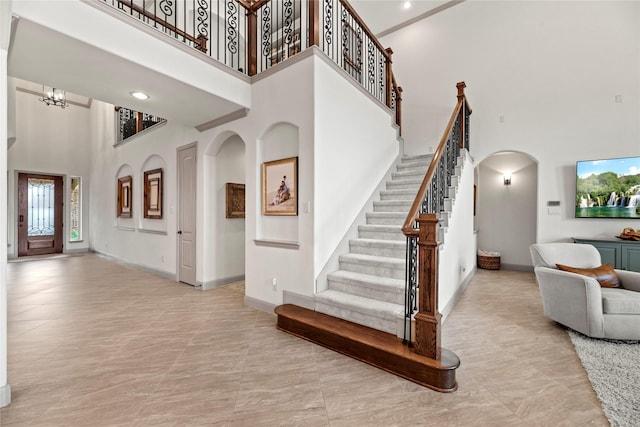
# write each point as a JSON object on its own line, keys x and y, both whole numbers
{"x": 489, "y": 262}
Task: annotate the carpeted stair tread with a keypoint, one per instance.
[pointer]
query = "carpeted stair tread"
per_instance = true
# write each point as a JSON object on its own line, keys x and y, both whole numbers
{"x": 406, "y": 194}
{"x": 392, "y": 206}
{"x": 381, "y": 232}
{"x": 372, "y": 307}
{"x": 361, "y": 278}
{"x": 383, "y": 247}
{"x": 372, "y": 259}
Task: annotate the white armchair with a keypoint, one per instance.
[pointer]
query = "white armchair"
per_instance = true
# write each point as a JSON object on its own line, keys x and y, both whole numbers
{"x": 578, "y": 301}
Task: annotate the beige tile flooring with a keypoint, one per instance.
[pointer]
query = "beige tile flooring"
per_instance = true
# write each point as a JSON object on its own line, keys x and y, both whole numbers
{"x": 94, "y": 343}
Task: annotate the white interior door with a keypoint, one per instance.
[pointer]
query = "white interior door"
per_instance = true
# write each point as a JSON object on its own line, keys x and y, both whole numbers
{"x": 187, "y": 214}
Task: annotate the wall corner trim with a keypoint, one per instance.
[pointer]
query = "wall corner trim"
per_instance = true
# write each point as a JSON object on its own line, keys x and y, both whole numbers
{"x": 5, "y": 395}
{"x": 259, "y": 305}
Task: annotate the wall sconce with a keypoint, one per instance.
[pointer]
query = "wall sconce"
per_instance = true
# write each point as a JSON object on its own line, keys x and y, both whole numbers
{"x": 507, "y": 179}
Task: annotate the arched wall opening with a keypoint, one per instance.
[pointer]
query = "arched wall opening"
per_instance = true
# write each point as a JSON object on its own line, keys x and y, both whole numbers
{"x": 506, "y": 207}
{"x": 224, "y": 235}
{"x": 280, "y": 141}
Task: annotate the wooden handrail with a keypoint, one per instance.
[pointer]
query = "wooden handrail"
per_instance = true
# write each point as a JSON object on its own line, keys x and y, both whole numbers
{"x": 200, "y": 41}
{"x": 408, "y": 226}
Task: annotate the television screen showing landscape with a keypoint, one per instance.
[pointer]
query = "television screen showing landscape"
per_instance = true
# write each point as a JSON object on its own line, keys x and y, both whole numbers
{"x": 608, "y": 188}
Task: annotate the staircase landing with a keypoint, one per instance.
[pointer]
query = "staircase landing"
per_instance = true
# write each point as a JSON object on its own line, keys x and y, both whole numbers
{"x": 377, "y": 348}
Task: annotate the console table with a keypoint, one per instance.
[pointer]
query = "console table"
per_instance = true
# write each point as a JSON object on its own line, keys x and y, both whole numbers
{"x": 621, "y": 254}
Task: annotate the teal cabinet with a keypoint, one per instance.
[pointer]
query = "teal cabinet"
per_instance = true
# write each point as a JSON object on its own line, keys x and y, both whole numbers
{"x": 621, "y": 254}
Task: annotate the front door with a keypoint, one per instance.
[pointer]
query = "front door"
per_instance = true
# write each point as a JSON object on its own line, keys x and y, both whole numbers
{"x": 187, "y": 214}
{"x": 39, "y": 214}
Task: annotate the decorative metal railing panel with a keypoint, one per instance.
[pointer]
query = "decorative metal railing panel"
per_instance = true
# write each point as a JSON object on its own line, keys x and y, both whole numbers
{"x": 253, "y": 36}
{"x": 217, "y": 28}
{"x": 433, "y": 201}
{"x": 350, "y": 45}
{"x": 131, "y": 122}
{"x": 282, "y": 31}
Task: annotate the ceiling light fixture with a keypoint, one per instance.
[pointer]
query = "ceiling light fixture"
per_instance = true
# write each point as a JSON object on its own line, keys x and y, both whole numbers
{"x": 54, "y": 97}
{"x": 140, "y": 95}
{"x": 406, "y": 4}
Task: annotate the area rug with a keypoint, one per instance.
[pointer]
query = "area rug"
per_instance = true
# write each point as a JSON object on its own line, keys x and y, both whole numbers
{"x": 613, "y": 367}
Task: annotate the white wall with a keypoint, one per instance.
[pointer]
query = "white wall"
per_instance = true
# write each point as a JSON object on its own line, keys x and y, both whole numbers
{"x": 355, "y": 145}
{"x": 292, "y": 265}
{"x": 344, "y": 144}
{"x": 50, "y": 140}
{"x": 457, "y": 256}
{"x": 551, "y": 70}
{"x": 506, "y": 214}
{"x": 5, "y": 19}
{"x": 145, "y": 242}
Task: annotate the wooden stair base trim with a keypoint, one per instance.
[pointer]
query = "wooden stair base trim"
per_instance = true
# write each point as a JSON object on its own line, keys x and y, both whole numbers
{"x": 377, "y": 348}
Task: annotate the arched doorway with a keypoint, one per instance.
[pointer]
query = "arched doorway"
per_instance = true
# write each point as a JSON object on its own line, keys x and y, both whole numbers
{"x": 224, "y": 245}
{"x": 506, "y": 215}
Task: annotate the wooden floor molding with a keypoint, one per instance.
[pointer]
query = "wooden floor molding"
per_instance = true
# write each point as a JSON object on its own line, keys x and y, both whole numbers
{"x": 377, "y": 348}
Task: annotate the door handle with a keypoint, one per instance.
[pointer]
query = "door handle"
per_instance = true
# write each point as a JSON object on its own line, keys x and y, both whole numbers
{"x": 179, "y": 231}
{"x": 21, "y": 218}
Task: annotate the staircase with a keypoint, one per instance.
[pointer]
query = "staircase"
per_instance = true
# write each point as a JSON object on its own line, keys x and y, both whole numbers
{"x": 369, "y": 287}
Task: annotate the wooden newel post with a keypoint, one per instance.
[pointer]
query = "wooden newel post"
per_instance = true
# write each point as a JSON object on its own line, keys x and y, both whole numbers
{"x": 428, "y": 319}
{"x": 461, "y": 86}
{"x": 314, "y": 23}
{"x": 252, "y": 41}
{"x": 388, "y": 75}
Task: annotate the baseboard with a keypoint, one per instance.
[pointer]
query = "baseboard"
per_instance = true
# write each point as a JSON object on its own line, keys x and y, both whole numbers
{"x": 259, "y": 305}
{"x": 212, "y": 284}
{"x": 456, "y": 297}
{"x": 5, "y": 395}
{"x": 305, "y": 301}
{"x": 151, "y": 270}
{"x": 517, "y": 267}
{"x": 76, "y": 251}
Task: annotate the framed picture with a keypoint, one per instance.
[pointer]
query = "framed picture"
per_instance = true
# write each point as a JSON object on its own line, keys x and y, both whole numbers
{"x": 153, "y": 194}
{"x": 123, "y": 201}
{"x": 280, "y": 187}
{"x": 235, "y": 200}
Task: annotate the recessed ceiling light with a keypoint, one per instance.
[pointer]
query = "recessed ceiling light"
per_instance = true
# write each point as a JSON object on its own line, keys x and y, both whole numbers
{"x": 406, "y": 4}
{"x": 140, "y": 95}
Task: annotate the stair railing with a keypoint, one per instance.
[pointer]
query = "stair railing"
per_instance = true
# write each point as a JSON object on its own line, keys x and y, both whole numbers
{"x": 420, "y": 228}
{"x": 251, "y": 36}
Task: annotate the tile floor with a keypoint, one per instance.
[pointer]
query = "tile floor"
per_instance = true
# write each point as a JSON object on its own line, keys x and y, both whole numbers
{"x": 94, "y": 343}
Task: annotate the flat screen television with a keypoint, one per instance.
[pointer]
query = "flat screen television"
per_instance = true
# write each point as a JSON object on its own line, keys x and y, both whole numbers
{"x": 608, "y": 188}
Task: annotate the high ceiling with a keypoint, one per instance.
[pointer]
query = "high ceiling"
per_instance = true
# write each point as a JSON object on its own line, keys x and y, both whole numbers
{"x": 41, "y": 55}
{"x": 382, "y": 15}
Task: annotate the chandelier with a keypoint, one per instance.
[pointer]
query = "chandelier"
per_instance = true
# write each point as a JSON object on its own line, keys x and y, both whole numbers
{"x": 56, "y": 97}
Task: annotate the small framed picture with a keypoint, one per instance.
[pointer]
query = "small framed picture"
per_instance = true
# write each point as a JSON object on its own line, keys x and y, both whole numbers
{"x": 124, "y": 193}
{"x": 235, "y": 200}
{"x": 153, "y": 194}
{"x": 280, "y": 187}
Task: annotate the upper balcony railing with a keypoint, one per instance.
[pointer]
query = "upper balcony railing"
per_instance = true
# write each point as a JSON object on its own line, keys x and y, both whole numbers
{"x": 251, "y": 36}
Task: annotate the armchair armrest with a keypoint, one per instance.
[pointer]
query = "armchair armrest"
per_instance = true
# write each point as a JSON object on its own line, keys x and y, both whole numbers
{"x": 572, "y": 299}
{"x": 629, "y": 279}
